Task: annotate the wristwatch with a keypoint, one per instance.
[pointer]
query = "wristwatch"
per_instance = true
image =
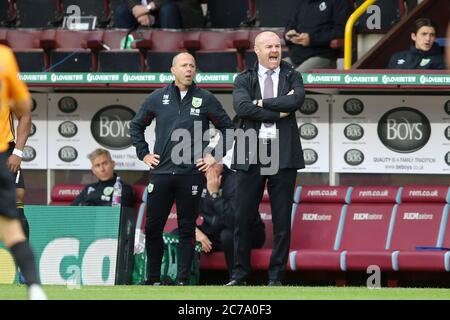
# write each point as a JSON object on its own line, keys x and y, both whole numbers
{"x": 215, "y": 195}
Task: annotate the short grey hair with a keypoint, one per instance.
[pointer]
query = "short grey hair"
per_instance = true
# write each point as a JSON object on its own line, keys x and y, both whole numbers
{"x": 99, "y": 152}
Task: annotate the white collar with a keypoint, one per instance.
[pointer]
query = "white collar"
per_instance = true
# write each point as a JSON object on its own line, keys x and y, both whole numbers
{"x": 262, "y": 70}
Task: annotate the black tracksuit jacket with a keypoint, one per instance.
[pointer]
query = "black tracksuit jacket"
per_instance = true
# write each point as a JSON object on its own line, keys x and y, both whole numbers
{"x": 101, "y": 192}
{"x": 171, "y": 114}
{"x": 414, "y": 58}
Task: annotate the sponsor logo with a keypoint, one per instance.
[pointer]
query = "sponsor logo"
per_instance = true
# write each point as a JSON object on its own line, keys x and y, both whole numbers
{"x": 367, "y": 216}
{"x": 354, "y": 157}
{"x": 323, "y": 6}
{"x": 67, "y": 154}
{"x": 310, "y": 156}
{"x": 353, "y": 132}
{"x": 424, "y": 62}
{"x": 107, "y": 191}
{"x": 353, "y": 106}
{"x": 34, "y": 105}
{"x": 322, "y": 193}
{"x": 68, "y": 129}
{"x": 195, "y": 112}
{"x": 69, "y": 192}
{"x": 423, "y": 193}
{"x": 308, "y": 131}
{"x": 310, "y": 106}
{"x": 32, "y": 130}
{"x": 447, "y": 133}
{"x": 165, "y": 99}
{"x": 110, "y": 127}
{"x": 29, "y": 154}
{"x": 401, "y": 61}
{"x": 447, "y": 158}
{"x": 404, "y": 130}
{"x": 417, "y": 216}
{"x": 67, "y": 104}
{"x": 316, "y": 217}
{"x": 194, "y": 190}
{"x": 373, "y": 193}
{"x": 447, "y": 107}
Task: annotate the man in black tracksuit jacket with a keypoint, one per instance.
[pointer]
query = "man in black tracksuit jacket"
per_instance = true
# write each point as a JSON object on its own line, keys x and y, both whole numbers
{"x": 183, "y": 112}
{"x": 310, "y": 30}
{"x": 424, "y": 53}
{"x": 270, "y": 93}
{"x": 101, "y": 192}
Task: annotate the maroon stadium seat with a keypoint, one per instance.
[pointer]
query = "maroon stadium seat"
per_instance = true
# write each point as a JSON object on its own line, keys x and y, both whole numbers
{"x": 113, "y": 59}
{"x": 165, "y": 44}
{"x": 316, "y": 228}
{"x": 421, "y": 222}
{"x": 25, "y": 44}
{"x": 68, "y": 50}
{"x": 64, "y": 194}
{"x": 365, "y": 233}
{"x": 219, "y": 51}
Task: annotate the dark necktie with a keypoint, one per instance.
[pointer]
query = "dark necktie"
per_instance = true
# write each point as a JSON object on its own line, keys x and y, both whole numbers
{"x": 268, "y": 85}
{"x": 268, "y": 89}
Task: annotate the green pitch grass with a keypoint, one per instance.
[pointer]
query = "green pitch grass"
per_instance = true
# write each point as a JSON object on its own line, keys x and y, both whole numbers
{"x": 17, "y": 292}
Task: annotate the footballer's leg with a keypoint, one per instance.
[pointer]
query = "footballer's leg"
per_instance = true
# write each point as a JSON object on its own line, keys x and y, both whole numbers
{"x": 12, "y": 235}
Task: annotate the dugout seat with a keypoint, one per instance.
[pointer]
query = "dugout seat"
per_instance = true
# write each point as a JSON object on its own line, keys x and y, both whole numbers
{"x": 316, "y": 228}
{"x": 64, "y": 194}
{"x": 367, "y": 225}
{"x": 421, "y": 230}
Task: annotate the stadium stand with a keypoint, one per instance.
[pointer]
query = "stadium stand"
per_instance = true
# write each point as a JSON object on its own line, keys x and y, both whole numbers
{"x": 110, "y": 56}
{"x": 226, "y": 14}
{"x": 68, "y": 51}
{"x": 270, "y": 15}
{"x": 38, "y": 13}
{"x": 165, "y": 44}
{"x": 26, "y": 47}
{"x": 221, "y": 50}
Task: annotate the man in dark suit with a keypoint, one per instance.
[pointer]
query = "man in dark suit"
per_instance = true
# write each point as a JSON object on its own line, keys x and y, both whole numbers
{"x": 265, "y": 99}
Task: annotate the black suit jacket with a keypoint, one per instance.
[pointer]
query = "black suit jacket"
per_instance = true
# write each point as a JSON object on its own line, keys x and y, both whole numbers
{"x": 246, "y": 91}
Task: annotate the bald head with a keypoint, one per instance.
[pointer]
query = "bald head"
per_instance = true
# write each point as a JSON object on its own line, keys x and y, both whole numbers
{"x": 182, "y": 54}
{"x": 183, "y": 68}
{"x": 268, "y": 49}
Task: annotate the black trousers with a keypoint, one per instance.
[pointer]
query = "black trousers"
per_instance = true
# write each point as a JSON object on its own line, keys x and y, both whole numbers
{"x": 225, "y": 242}
{"x": 185, "y": 190}
{"x": 250, "y": 188}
